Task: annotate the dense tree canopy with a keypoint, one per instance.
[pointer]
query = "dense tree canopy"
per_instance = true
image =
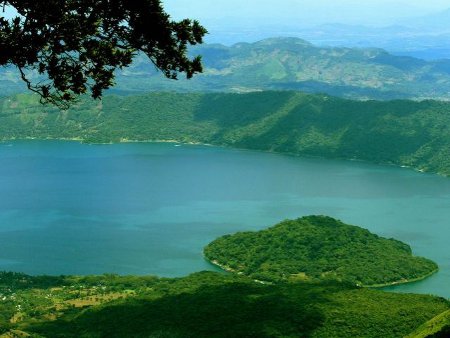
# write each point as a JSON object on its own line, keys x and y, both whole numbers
{"x": 76, "y": 45}
{"x": 318, "y": 247}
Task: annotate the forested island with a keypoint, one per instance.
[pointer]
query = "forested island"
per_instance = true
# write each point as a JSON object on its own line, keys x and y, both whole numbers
{"x": 314, "y": 301}
{"x": 318, "y": 248}
{"x": 405, "y": 133}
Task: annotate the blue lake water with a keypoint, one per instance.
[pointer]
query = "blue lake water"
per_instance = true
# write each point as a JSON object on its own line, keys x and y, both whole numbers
{"x": 150, "y": 208}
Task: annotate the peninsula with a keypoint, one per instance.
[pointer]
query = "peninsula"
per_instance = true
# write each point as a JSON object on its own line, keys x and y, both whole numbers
{"x": 319, "y": 248}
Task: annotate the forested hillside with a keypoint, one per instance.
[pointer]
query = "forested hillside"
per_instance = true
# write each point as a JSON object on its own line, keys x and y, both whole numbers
{"x": 204, "y": 304}
{"x": 437, "y": 327}
{"x": 399, "y": 132}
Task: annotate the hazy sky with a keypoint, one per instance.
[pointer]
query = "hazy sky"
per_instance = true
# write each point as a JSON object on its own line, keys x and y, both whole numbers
{"x": 310, "y": 12}
{"x": 307, "y": 12}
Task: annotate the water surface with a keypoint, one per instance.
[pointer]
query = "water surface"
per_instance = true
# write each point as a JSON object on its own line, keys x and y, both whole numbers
{"x": 143, "y": 208}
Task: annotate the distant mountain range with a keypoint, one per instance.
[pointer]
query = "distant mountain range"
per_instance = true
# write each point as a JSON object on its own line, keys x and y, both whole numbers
{"x": 426, "y": 36}
{"x": 408, "y": 38}
{"x": 289, "y": 64}
{"x": 295, "y": 64}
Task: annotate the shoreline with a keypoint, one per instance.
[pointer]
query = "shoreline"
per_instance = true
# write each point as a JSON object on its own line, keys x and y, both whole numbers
{"x": 171, "y": 141}
{"x": 121, "y": 141}
{"x": 230, "y": 270}
{"x": 403, "y": 282}
{"x": 174, "y": 141}
{"x": 223, "y": 267}
{"x": 373, "y": 286}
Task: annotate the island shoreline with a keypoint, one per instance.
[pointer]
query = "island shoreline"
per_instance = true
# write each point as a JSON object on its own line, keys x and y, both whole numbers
{"x": 374, "y": 286}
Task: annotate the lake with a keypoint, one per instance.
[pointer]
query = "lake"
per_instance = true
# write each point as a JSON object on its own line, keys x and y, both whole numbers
{"x": 150, "y": 208}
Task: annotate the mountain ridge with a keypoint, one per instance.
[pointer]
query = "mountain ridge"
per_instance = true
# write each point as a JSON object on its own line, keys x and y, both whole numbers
{"x": 296, "y": 64}
{"x": 288, "y": 64}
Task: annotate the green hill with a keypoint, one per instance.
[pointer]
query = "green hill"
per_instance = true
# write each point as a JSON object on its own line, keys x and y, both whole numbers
{"x": 437, "y": 327}
{"x": 204, "y": 304}
{"x": 318, "y": 247}
{"x": 407, "y": 133}
{"x": 295, "y": 64}
{"x": 288, "y": 64}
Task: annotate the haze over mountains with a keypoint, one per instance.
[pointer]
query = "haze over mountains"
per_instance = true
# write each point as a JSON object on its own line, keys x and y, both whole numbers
{"x": 343, "y": 54}
{"x": 422, "y": 35}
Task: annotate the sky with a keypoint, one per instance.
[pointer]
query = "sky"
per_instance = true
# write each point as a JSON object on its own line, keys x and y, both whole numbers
{"x": 309, "y": 12}
{"x": 302, "y": 12}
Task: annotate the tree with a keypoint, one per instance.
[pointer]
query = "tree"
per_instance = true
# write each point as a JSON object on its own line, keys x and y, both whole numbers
{"x": 76, "y": 45}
